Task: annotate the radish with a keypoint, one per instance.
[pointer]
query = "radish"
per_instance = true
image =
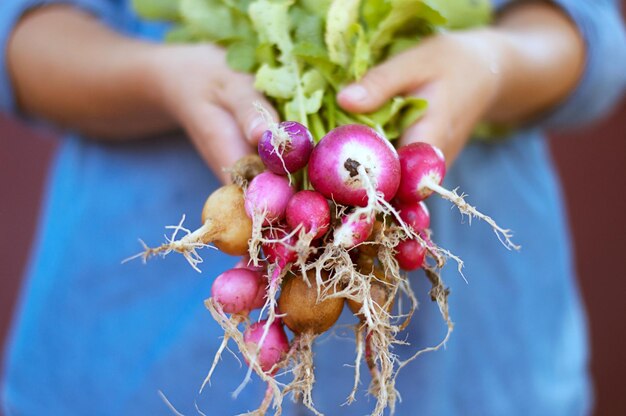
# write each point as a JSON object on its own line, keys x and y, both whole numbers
{"x": 307, "y": 317}
{"x": 350, "y": 162}
{"x": 271, "y": 349}
{"x": 304, "y": 313}
{"x": 236, "y": 291}
{"x": 239, "y": 291}
{"x": 353, "y": 230}
{"x": 245, "y": 169}
{"x": 266, "y": 201}
{"x": 423, "y": 168}
{"x": 224, "y": 224}
{"x": 279, "y": 248}
{"x": 274, "y": 348}
{"x": 410, "y": 254}
{"x": 267, "y": 197}
{"x": 415, "y": 215}
{"x": 286, "y": 147}
{"x": 310, "y": 210}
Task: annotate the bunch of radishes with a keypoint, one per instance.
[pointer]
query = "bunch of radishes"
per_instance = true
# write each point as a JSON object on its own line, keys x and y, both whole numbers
{"x": 322, "y": 225}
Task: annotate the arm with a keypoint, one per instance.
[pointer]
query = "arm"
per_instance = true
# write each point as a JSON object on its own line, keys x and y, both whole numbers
{"x": 70, "y": 69}
{"x": 528, "y": 63}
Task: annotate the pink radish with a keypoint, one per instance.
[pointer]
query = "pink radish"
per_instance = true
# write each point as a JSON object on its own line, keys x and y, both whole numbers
{"x": 286, "y": 147}
{"x": 274, "y": 346}
{"x": 238, "y": 291}
{"x": 423, "y": 169}
{"x": 351, "y": 161}
{"x": 267, "y": 196}
{"x": 309, "y": 209}
{"x": 353, "y": 230}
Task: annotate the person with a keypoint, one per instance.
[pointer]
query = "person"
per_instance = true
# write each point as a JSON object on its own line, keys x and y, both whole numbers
{"x": 142, "y": 122}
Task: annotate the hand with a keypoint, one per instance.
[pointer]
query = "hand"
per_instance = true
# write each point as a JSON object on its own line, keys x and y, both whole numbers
{"x": 457, "y": 73}
{"x": 212, "y": 103}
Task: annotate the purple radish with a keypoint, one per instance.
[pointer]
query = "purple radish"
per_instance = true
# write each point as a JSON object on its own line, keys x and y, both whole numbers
{"x": 350, "y": 160}
{"x": 286, "y": 148}
{"x": 267, "y": 196}
{"x": 311, "y": 210}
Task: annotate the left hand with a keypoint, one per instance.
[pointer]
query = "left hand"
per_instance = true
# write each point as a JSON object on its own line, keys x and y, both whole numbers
{"x": 459, "y": 75}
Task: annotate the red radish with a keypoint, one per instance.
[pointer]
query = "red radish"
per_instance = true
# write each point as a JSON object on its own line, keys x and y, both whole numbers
{"x": 422, "y": 165}
{"x": 350, "y": 160}
{"x": 286, "y": 148}
{"x": 279, "y": 248}
{"x": 415, "y": 215}
{"x": 238, "y": 291}
{"x": 274, "y": 347}
{"x": 310, "y": 209}
{"x": 353, "y": 230}
{"x": 423, "y": 169}
{"x": 410, "y": 254}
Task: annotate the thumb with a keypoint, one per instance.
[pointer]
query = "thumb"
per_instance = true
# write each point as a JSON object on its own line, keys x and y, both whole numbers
{"x": 394, "y": 77}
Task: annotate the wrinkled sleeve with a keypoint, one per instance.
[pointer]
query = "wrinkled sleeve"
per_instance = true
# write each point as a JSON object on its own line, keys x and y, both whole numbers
{"x": 10, "y": 13}
{"x": 604, "y": 77}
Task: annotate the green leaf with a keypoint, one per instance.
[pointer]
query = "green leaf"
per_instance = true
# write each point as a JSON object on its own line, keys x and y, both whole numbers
{"x": 374, "y": 11}
{"x": 317, "y": 7}
{"x": 395, "y": 116}
{"x": 272, "y": 23}
{"x": 361, "y": 57}
{"x": 308, "y": 104}
{"x": 156, "y": 9}
{"x": 214, "y": 20}
{"x": 279, "y": 82}
{"x": 401, "y": 13}
{"x": 463, "y": 14}
{"x": 241, "y": 56}
{"x": 342, "y": 15}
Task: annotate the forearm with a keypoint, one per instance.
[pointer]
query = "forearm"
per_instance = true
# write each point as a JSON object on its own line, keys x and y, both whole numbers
{"x": 541, "y": 61}
{"x": 68, "y": 68}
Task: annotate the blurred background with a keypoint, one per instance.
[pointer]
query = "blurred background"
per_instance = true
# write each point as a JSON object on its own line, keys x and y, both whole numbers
{"x": 592, "y": 164}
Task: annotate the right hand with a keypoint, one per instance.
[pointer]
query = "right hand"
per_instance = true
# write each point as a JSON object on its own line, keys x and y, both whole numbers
{"x": 211, "y": 102}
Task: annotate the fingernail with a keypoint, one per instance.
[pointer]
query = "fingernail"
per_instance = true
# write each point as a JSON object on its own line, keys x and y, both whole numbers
{"x": 354, "y": 92}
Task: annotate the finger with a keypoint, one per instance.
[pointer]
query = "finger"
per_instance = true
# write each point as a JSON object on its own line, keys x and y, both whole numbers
{"x": 239, "y": 97}
{"x": 218, "y": 138}
{"x": 400, "y": 74}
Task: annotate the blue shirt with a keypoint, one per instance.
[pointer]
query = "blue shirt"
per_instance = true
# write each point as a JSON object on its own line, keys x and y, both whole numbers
{"x": 93, "y": 336}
